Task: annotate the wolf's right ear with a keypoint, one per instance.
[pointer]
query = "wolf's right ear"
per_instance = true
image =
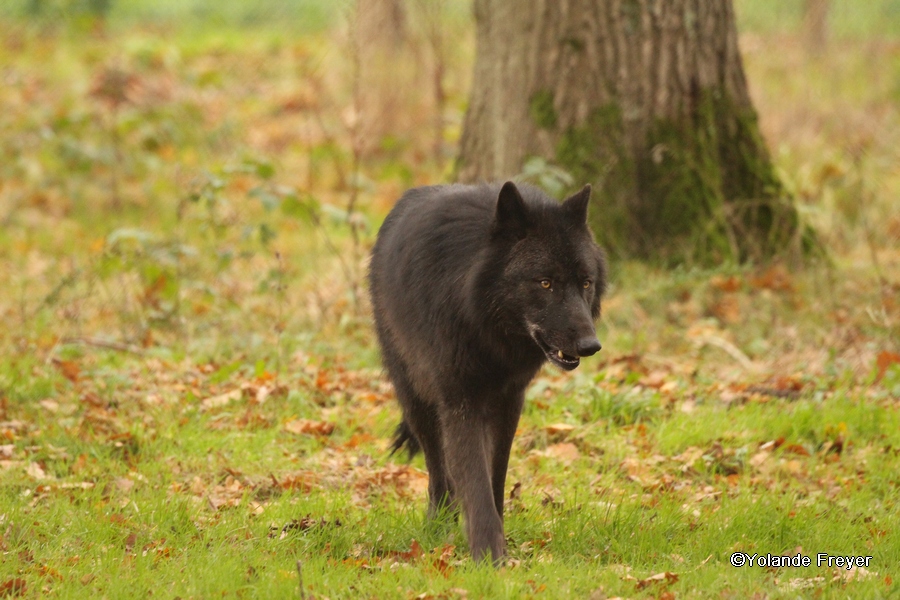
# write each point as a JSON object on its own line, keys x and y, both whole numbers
{"x": 577, "y": 204}
{"x": 512, "y": 214}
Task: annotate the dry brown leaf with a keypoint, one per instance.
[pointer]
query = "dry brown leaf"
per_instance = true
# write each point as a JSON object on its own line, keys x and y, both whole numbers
{"x": 49, "y": 405}
{"x": 759, "y": 458}
{"x": 883, "y": 362}
{"x": 69, "y": 369}
{"x": 403, "y": 478}
{"x": 856, "y": 573}
{"x": 665, "y": 577}
{"x": 220, "y": 400}
{"x": 689, "y": 456}
{"x": 802, "y": 583}
{"x": 415, "y": 552}
{"x": 727, "y": 309}
{"x": 791, "y": 466}
{"x": 655, "y": 379}
{"x": 687, "y": 407}
{"x": 299, "y": 481}
{"x": 13, "y": 587}
{"x": 725, "y": 284}
{"x": 565, "y": 452}
{"x": 559, "y": 429}
{"x": 35, "y": 471}
{"x": 305, "y": 426}
{"x": 796, "y": 449}
{"x": 775, "y": 278}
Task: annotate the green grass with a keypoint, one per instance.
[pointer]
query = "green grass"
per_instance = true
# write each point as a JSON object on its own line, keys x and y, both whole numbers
{"x": 191, "y": 400}
{"x": 190, "y": 504}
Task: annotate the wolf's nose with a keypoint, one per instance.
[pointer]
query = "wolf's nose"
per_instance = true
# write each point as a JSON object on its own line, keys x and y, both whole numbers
{"x": 587, "y": 346}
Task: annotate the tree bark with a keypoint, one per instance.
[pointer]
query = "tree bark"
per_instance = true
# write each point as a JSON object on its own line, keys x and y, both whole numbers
{"x": 815, "y": 25}
{"x": 647, "y": 100}
{"x": 381, "y": 34}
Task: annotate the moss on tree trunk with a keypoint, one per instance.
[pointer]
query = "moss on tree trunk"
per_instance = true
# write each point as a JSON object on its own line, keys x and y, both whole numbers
{"x": 647, "y": 101}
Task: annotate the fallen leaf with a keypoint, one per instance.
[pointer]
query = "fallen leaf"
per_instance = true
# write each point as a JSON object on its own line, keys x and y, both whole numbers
{"x": 565, "y": 452}
{"x": 884, "y": 360}
{"x": 725, "y": 284}
{"x": 49, "y": 405}
{"x": 305, "y": 426}
{"x": 559, "y": 428}
{"x": 856, "y": 573}
{"x": 775, "y": 278}
{"x": 796, "y": 449}
{"x": 220, "y": 400}
{"x": 516, "y": 491}
{"x": 35, "y": 471}
{"x": 759, "y": 458}
{"x": 665, "y": 577}
{"x": 802, "y": 583}
{"x": 415, "y": 552}
{"x": 727, "y": 309}
{"x": 13, "y": 587}
{"x": 69, "y": 369}
{"x": 442, "y": 561}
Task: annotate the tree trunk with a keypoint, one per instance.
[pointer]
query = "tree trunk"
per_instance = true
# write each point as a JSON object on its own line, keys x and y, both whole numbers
{"x": 643, "y": 98}
{"x": 815, "y": 25}
{"x": 381, "y": 37}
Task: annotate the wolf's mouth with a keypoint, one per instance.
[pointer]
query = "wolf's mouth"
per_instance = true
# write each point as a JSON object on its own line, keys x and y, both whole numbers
{"x": 557, "y": 356}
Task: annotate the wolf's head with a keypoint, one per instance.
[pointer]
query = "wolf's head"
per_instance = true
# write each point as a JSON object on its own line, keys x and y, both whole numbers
{"x": 553, "y": 273}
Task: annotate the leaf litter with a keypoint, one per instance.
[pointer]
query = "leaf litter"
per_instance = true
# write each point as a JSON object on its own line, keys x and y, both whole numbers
{"x": 707, "y": 350}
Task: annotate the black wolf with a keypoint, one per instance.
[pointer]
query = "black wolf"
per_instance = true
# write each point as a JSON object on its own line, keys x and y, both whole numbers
{"x": 473, "y": 288}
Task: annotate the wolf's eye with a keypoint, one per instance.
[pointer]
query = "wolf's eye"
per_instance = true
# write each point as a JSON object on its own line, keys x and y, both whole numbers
{"x": 586, "y": 284}
{"x": 545, "y": 283}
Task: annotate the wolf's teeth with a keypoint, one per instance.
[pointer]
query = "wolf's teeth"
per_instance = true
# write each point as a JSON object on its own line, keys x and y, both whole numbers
{"x": 559, "y": 353}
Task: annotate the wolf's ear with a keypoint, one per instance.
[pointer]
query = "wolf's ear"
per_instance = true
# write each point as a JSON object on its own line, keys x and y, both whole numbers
{"x": 576, "y": 205}
{"x": 512, "y": 214}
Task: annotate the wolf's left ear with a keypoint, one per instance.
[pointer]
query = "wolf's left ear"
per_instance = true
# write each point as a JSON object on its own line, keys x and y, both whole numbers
{"x": 576, "y": 205}
{"x": 512, "y": 214}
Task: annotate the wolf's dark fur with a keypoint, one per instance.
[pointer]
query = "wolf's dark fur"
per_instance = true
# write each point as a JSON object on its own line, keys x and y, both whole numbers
{"x": 473, "y": 288}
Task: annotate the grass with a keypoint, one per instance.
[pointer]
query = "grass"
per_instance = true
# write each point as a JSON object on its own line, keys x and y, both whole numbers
{"x": 190, "y": 395}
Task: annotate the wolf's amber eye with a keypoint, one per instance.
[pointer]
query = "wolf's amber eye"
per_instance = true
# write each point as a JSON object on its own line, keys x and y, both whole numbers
{"x": 587, "y": 283}
{"x": 545, "y": 283}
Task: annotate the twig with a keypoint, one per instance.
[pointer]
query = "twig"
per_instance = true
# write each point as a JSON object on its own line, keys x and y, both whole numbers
{"x": 433, "y": 11}
{"x": 331, "y": 140}
{"x": 355, "y": 130}
{"x": 729, "y": 348}
{"x": 348, "y": 273}
{"x": 106, "y": 344}
{"x": 300, "y": 579}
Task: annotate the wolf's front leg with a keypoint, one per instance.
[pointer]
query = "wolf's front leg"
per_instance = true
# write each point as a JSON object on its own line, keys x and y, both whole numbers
{"x": 503, "y": 423}
{"x": 468, "y": 459}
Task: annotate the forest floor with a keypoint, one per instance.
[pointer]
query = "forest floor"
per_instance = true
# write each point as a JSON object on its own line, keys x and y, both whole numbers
{"x": 191, "y": 400}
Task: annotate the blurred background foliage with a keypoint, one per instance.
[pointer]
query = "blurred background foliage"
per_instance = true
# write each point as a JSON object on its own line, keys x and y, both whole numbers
{"x": 191, "y": 175}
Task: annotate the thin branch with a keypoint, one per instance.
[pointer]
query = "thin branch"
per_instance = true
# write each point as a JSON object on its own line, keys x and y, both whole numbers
{"x": 300, "y": 579}
{"x": 732, "y": 350}
{"x": 105, "y": 344}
